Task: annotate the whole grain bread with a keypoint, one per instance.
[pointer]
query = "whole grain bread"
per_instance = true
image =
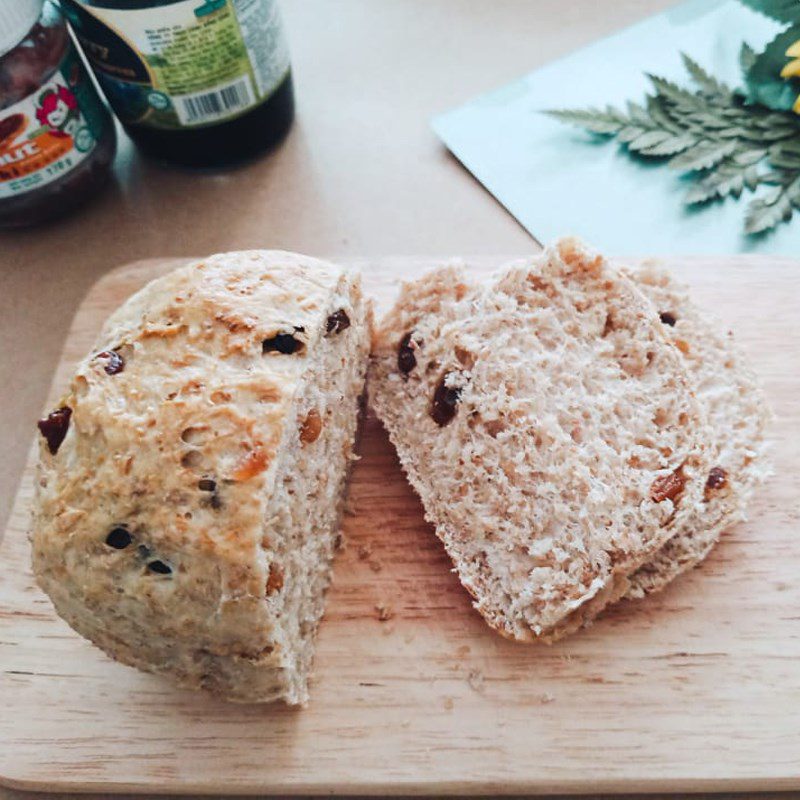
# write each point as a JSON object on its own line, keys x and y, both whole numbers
{"x": 190, "y": 484}
{"x": 549, "y": 428}
{"x": 737, "y": 413}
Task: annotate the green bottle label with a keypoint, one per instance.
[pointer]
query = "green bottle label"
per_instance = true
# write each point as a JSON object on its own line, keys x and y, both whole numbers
{"x": 183, "y": 65}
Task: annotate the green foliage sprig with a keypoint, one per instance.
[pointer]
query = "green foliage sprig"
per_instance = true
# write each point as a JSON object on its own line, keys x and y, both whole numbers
{"x": 727, "y": 145}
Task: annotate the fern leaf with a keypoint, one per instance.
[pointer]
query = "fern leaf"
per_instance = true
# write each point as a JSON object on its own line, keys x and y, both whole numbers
{"x": 778, "y": 133}
{"x": 723, "y": 181}
{"x": 726, "y": 144}
{"x": 682, "y": 98}
{"x": 592, "y": 119}
{"x": 671, "y": 145}
{"x": 706, "y": 82}
{"x": 637, "y": 114}
{"x": 703, "y": 155}
{"x": 783, "y": 158}
{"x": 751, "y": 178}
{"x": 765, "y": 213}
{"x": 648, "y": 140}
{"x": 710, "y": 121}
{"x": 745, "y": 158}
{"x": 701, "y": 193}
{"x": 629, "y": 133}
{"x": 658, "y": 110}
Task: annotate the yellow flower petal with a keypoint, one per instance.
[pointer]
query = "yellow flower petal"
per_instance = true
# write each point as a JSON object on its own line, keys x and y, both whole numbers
{"x": 792, "y": 69}
{"x": 794, "y": 50}
{"x": 796, "y": 106}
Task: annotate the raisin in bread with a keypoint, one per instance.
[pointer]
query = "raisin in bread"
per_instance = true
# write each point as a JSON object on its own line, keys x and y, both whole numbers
{"x": 738, "y": 414}
{"x": 549, "y": 429}
{"x": 190, "y": 483}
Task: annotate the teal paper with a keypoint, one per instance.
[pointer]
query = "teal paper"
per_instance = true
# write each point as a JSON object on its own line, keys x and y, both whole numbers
{"x": 557, "y": 180}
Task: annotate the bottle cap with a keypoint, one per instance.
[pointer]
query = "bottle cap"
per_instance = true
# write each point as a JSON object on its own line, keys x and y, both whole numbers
{"x": 16, "y": 19}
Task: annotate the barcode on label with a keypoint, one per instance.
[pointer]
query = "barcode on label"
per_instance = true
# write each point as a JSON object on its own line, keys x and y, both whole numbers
{"x": 223, "y": 101}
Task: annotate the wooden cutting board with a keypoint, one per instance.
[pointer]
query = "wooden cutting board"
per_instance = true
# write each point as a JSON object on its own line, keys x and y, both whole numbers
{"x": 695, "y": 689}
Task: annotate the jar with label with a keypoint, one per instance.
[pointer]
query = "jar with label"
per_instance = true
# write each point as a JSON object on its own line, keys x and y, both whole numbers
{"x": 57, "y": 139}
{"x": 195, "y": 82}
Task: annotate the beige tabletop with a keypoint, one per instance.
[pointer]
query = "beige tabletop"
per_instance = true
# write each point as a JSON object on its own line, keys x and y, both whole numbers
{"x": 360, "y": 174}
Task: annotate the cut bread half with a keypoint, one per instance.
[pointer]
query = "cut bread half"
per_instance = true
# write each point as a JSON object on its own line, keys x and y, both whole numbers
{"x": 191, "y": 482}
{"x": 549, "y": 428}
{"x": 737, "y": 412}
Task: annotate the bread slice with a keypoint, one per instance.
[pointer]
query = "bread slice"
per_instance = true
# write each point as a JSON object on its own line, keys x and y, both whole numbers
{"x": 737, "y": 412}
{"x": 548, "y": 427}
{"x": 190, "y": 485}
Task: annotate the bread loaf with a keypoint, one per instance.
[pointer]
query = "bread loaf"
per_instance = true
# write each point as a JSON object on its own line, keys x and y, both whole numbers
{"x": 737, "y": 412}
{"x": 549, "y": 428}
{"x": 191, "y": 480}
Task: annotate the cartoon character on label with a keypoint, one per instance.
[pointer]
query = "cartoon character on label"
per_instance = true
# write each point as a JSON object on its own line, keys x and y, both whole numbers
{"x": 59, "y": 111}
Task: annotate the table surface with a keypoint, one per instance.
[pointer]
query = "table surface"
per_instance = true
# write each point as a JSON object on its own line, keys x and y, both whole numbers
{"x": 360, "y": 174}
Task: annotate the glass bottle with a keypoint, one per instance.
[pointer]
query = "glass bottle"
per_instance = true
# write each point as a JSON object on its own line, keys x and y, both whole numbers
{"x": 57, "y": 139}
{"x": 195, "y": 82}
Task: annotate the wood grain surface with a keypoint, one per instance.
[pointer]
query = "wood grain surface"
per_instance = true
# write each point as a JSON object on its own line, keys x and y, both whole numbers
{"x": 697, "y": 689}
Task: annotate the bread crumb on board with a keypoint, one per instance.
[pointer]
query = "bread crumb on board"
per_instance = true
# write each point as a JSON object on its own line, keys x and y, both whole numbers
{"x": 364, "y": 552}
{"x": 475, "y": 680}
